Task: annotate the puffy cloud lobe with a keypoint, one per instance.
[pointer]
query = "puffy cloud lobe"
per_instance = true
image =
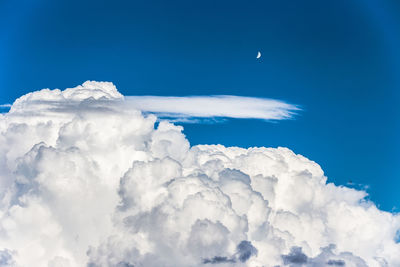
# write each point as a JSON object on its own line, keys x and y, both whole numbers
{"x": 327, "y": 257}
{"x": 295, "y": 257}
{"x": 243, "y": 252}
{"x": 86, "y": 182}
{"x": 246, "y": 250}
{"x": 6, "y": 258}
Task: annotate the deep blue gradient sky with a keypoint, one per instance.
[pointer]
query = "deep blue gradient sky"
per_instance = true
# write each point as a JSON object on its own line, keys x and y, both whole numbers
{"x": 339, "y": 60}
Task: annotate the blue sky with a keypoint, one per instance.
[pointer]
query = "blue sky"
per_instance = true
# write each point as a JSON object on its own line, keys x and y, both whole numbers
{"x": 338, "y": 60}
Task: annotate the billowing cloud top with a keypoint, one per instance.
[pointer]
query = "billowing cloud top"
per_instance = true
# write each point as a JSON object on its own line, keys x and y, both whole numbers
{"x": 97, "y": 185}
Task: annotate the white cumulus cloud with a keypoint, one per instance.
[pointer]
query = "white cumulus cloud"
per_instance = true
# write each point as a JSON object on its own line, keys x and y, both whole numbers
{"x": 87, "y": 182}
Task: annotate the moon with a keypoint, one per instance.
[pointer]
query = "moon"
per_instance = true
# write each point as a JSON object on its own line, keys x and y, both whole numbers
{"x": 258, "y": 54}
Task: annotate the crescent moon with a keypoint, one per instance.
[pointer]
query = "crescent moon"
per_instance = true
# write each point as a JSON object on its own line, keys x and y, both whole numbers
{"x": 258, "y": 54}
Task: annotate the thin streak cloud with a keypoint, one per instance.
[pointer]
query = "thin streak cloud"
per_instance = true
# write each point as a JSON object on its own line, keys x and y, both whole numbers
{"x": 227, "y": 106}
{"x": 4, "y": 108}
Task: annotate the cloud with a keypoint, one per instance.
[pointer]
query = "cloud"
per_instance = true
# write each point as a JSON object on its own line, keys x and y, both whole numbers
{"x": 243, "y": 252}
{"x": 4, "y": 108}
{"x": 6, "y": 258}
{"x": 327, "y": 257}
{"x": 214, "y": 106}
{"x": 336, "y": 262}
{"x": 192, "y": 109}
{"x": 295, "y": 257}
{"x": 85, "y": 181}
{"x": 219, "y": 259}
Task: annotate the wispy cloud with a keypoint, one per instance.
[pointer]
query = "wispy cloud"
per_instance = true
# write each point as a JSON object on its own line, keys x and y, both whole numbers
{"x": 4, "y": 108}
{"x": 223, "y": 106}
